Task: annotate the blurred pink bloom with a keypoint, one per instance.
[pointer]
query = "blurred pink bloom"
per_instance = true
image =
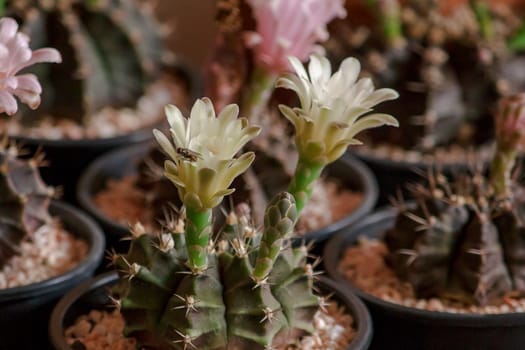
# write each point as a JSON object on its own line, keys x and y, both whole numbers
{"x": 510, "y": 122}
{"x": 16, "y": 55}
{"x": 290, "y": 28}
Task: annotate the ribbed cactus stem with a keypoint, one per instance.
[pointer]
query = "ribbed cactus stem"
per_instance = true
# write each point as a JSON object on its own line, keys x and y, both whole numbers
{"x": 302, "y": 184}
{"x": 279, "y": 220}
{"x": 259, "y": 92}
{"x": 198, "y": 230}
{"x": 501, "y": 170}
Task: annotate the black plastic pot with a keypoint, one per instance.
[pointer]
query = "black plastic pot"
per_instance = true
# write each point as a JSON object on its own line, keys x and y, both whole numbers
{"x": 24, "y": 311}
{"x": 68, "y": 158}
{"x": 400, "y": 327}
{"x": 94, "y": 295}
{"x": 117, "y": 164}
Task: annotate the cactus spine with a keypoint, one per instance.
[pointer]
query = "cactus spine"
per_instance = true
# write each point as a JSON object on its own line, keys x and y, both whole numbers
{"x": 465, "y": 240}
{"x": 252, "y": 294}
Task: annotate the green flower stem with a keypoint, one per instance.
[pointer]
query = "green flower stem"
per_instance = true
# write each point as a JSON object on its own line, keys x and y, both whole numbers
{"x": 482, "y": 11}
{"x": 517, "y": 42}
{"x": 2, "y": 7}
{"x": 501, "y": 170}
{"x": 391, "y": 20}
{"x": 390, "y": 16}
{"x": 279, "y": 221}
{"x": 301, "y": 186}
{"x": 259, "y": 92}
{"x": 198, "y": 230}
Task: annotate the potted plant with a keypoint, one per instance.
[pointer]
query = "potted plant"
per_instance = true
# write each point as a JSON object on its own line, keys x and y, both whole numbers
{"x": 238, "y": 288}
{"x": 450, "y": 62}
{"x": 448, "y": 265}
{"x": 347, "y": 191}
{"x": 46, "y": 247}
{"x": 115, "y": 78}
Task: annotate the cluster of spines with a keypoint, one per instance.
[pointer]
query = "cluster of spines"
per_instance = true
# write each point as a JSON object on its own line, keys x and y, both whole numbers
{"x": 459, "y": 241}
{"x": 255, "y": 293}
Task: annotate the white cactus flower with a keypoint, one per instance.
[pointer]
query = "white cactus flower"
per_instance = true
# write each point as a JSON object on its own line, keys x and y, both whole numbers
{"x": 203, "y": 163}
{"x": 334, "y": 109}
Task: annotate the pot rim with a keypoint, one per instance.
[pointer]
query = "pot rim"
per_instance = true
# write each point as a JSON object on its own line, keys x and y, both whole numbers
{"x": 363, "y": 177}
{"x": 94, "y": 255}
{"x": 384, "y": 218}
{"x": 353, "y": 304}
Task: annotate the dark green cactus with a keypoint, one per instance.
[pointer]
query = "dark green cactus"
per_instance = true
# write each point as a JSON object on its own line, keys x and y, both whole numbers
{"x": 24, "y": 200}
{"x": 257, "y": 291}
{"x": 460, "y": 242}
{"x": 111, "y": 49}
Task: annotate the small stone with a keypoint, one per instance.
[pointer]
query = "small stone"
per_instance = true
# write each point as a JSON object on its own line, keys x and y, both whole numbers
{"x": 82, "y": 328}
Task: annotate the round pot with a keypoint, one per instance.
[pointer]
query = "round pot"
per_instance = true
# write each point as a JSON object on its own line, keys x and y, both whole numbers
{"x": 25, "y": 310}
{"x": 119, "y": 163}
{"x": 94, "y": 295}
{"x": 68, "y": 158}
{"x": 401, "y": 327}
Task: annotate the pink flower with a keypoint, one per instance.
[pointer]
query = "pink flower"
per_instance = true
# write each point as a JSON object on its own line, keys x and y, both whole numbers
{"x": 16, "y": 55}
{"x": 510, "y": 122}
{"x": 290, "y": 28}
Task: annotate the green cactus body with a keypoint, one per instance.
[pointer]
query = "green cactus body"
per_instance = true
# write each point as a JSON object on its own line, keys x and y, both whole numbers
{"x": 253, "y": 295}
{"x": 509, "y": 222}
{"x": 303, "y": 182}
{"x": 111, "y": 50}
{"x": 24, "y": 201}
{"x": 459, "y": 243}
{"x": 479, "y": 267}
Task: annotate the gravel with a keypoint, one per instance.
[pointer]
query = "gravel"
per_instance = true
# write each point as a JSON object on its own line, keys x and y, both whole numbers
{"x": 123, "y": 201}
{"x": 364, "y": 265}
{"x": 102, "y": 330}
{"x": 48, "y": 252}
{"x": 108, "y": 122}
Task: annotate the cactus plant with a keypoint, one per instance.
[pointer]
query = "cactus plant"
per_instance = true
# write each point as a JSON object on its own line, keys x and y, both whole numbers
{"x": 464, "y": 240}
{"x": 24, "y": 199}
{"x": 111, "y": 51}
{"x": 448, "y": 64}
{"x": 239, "y": 289}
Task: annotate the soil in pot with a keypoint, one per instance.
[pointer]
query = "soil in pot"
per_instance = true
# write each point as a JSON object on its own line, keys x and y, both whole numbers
{"x": 117, "y": 196}
{"x": 125, "y": 201}
{"x": 93, "y": 323}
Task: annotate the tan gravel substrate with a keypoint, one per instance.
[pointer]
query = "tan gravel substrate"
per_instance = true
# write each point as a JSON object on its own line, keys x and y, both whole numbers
{"x": 126, "y": 203}
{"x": 364, "y": 265}
{"x": 452, "y": 154}
{"x": 50, "y": 252}
{"x": 108, "y": 122}
{"x": 102, "y": 330}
